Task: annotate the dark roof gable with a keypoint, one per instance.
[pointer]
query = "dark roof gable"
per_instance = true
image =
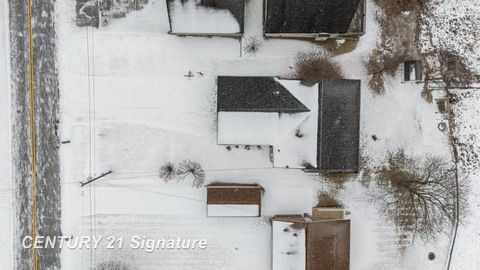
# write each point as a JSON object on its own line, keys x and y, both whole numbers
{"x": 338, "y": 125}
{"x": 256, "y": 94}
{"x": 309, "y": 16}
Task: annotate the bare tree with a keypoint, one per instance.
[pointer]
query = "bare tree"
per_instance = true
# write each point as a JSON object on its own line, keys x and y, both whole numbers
{"x": 454, "y": 70}
{"x": 382, "y": 67}
{"x": 167, "y": 171}
{"x": 194, "y": 169}
{"x": 254, "y": 44}
{"x": 419, "y": 195}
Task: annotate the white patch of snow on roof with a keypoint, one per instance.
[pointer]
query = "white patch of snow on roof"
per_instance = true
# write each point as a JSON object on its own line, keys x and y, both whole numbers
{"x": 190, "y": 17}
{"x": 298, "y": 147}
{"x": 256, "y": 128}
{"x": 288, "y": 247}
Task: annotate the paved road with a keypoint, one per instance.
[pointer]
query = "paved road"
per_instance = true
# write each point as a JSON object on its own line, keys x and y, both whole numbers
{"x": 47, "y": 98}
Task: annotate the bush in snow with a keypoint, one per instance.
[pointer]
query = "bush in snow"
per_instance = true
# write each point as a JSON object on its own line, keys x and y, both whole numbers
{"x": 317, "y": 66}
{"x": 253, "y": 45}
{"x": 421, "y": 196}
{"x": 194, "y": 169}
{"x": 167, "y": 171}
{"x": 382, "y": 67}
{"x": 327, "y": 200}
{"x": 112, "y": 265}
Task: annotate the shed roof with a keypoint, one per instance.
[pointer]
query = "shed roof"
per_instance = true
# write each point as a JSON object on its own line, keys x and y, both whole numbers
{"x": 256, "y": 94}
{"x": 234, "y": 195}
{"x": 326, "y": 245}
{"x": 309, "y": 16}
{"x": 338, "y": 125}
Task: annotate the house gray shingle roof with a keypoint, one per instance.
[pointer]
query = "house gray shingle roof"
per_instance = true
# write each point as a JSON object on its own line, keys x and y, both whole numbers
{"x": 338, "y": 125}
{"x": 256, "y": 94}
{"x": 338, "y": 113}
{"x": 309, "y": 16}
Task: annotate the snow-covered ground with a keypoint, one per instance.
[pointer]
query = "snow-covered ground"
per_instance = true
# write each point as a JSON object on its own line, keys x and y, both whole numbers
{"x": 467, "y": 131}
{"x": 152, "y": 100}
{"x": 452, "y": 25}
{"x": 6, "y": 254}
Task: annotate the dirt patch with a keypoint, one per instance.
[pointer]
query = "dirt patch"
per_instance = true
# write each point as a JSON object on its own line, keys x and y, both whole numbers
{"x": 316, "y": 66}
{"x": 340, "y": 46}
{"x": 396, "y": 7}
{"x": 327, "y": 200}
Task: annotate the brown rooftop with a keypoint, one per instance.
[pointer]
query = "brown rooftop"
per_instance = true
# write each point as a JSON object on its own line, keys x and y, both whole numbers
{"x": 328, "y": 245}
{"x": 327, "y": 242}
{"x": 234, "y": 194}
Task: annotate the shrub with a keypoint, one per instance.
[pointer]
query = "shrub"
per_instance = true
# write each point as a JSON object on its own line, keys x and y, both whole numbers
{"x": 317, "y": 67}
{"x": 253, "y": 45}
{"x": 167, "y": 171}
{"x": 382, "y": 69}
{"x": 194, "y": 169}
{"x": 327, "y": 200}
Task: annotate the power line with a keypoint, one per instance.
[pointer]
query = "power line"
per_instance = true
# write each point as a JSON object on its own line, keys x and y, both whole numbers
{"x": 153, "y": 191}
{"x": 118, "y": 187}
{"x": 94, "y": 135}
{"x": 96, "y": 178}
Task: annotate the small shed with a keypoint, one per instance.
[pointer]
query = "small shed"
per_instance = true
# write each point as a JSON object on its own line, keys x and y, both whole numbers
{"x": 413, "y": 70}
{"x": 206, "y": 17}
{"x": 300, "y": 243}
{"x": 234, "y": 200}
